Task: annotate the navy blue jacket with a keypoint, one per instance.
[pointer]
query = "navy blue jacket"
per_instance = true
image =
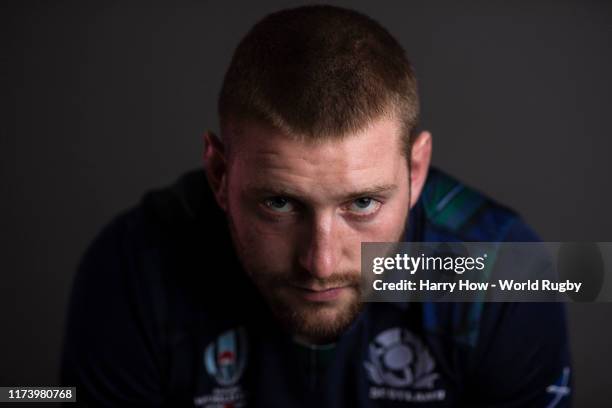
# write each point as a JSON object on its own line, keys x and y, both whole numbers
{"x": 161, "y": 314}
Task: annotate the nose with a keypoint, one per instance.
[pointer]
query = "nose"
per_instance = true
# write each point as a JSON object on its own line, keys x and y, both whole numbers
{"x": 319, "y": 254}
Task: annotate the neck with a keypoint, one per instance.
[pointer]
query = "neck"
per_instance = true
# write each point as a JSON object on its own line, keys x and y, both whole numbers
{"x": 312, "y": 344}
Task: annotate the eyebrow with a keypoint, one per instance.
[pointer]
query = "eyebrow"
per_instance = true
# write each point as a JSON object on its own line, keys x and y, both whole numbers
{"x": 282, "y": 191}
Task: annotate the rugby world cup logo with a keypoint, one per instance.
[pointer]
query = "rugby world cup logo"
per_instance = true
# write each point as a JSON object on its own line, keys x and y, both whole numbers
{"x": 398, "y": 358}
{"x": 225, "y": 358}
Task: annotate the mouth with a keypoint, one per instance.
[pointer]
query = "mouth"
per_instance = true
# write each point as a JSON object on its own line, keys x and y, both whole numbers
{"x": 320, "y": 294}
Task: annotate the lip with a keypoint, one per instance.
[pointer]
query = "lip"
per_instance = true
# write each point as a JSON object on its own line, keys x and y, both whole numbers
{"x": 318, "y": 295}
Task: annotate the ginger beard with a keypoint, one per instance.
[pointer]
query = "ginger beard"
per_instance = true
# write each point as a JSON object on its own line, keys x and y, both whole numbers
{"x": 319, "y": 322}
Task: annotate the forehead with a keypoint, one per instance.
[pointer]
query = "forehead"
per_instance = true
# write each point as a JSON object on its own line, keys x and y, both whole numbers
{"x": 264, "y": 156}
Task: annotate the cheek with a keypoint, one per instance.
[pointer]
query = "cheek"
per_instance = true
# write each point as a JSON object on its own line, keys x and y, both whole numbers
{"x": 264, "y": 246}
{"x": 269, "y": 242}
{"x": 388, "y": 224}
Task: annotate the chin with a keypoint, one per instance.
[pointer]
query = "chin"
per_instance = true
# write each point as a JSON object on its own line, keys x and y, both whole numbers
{"x": 317, "y": 322}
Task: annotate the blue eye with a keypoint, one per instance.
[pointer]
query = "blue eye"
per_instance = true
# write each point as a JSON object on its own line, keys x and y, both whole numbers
{"x": 364, "y": 205}
{"x": 279, "y": 204}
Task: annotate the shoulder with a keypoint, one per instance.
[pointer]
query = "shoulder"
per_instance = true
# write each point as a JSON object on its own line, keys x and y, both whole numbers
{"x": 133, "y": 253}
{"x": 139, "y": 287}
{"x": 175, "y": 234}
{"x": 493, "y": 335}
{"x": 166, "y": 219}
{"x": 454, "y": 211}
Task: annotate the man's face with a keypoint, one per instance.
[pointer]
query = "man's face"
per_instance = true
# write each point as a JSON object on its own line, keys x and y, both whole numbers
{"x": 299, "y": 211}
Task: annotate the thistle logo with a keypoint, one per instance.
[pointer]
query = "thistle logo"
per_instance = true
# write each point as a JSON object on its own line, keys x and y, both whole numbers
{"x": 397, "y": 358}
{"x": 401, "y": 368}
{"x": 225, "y": 358}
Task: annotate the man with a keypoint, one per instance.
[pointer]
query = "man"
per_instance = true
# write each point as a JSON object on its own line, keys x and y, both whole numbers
{"x": 239, "y": 285}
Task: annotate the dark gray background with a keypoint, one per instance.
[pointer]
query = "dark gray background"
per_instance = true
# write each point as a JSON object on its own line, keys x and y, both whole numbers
{"x": 105, "y": 100}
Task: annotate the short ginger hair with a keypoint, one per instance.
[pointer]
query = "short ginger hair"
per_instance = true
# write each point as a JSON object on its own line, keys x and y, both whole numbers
{"x": 319, "y": 72}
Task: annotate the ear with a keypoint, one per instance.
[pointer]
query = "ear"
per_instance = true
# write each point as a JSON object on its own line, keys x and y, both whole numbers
{"x": 420, "y": 156}
{"x": 215, "y": 166}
